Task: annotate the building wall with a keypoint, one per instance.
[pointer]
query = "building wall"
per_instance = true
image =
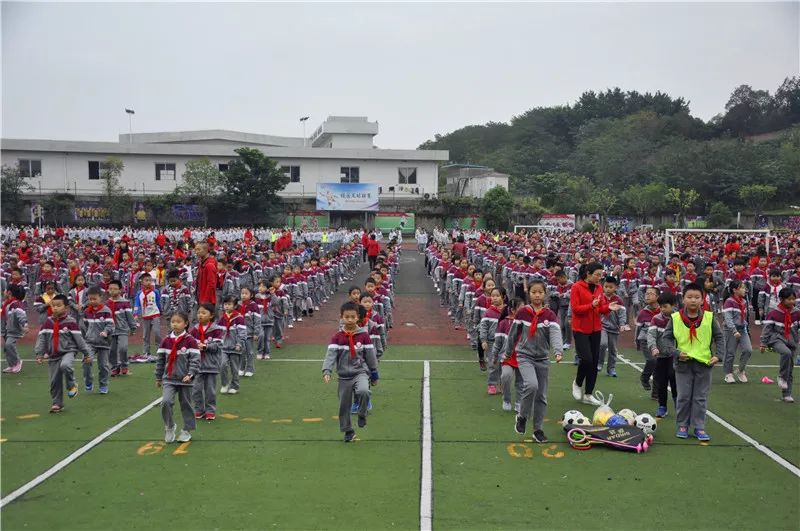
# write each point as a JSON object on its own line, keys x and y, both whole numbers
{"x": 61, "y": 171}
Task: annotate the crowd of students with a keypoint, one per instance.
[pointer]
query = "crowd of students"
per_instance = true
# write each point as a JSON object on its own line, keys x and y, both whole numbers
{"x": 226, "y": 303}
{"x": 524, "y": 297}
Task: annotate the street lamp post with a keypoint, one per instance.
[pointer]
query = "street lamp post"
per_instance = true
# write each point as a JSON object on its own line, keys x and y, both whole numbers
{"x": 130, "y": 113}
{"x": 303, "y": 121}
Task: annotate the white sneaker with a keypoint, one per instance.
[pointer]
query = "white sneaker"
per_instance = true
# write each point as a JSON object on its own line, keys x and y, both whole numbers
{"x": 232, "y": 391}
{"x": 241, "y": 373}
{"x": 577, "y": 392}
{"x": 184, "y": 436}
{"x": 299, "y": 319}
{"x": 788, "y": 399}
{"x": 506, "y": 406}
{"x": 783, "y": 384}
{"x": 291, "y": 325}
{"x": 248, "y": 374}
{"x": 729, "y": 378}
{"x": 316, "y": 308}
{"x": 758, "y": 323}
{"x": 223, "y": 390}
{"x": 169, "y": 434}
{"x": 590, "y": 400}
{"x": 566, "y": 346}
{"x": 741, "y": 375}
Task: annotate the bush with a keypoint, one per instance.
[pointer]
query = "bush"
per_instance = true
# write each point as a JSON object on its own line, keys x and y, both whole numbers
{"x": 719, "y": 216}
{"x": 588, "y": 227}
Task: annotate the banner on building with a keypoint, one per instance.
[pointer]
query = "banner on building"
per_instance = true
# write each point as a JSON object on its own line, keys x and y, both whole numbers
{"x": 184, "y": 212}
{"x": 347, "y": 196}
{"x": 37, "y": 213}
{"x": 565, "y": 222}
{"x": 466, "y": 223}
{"x": 619, "y": 223}
{"x": 309, "y": 220}
{"x": 388, "y": 221}
{"x": 91, "y": 212}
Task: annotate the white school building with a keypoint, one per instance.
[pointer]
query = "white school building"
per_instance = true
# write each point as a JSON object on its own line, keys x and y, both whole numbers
{"x": 340, "y": 150}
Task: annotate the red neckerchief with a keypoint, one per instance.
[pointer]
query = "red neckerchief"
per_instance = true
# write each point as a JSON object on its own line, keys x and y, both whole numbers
{"x": 202, "y": 332}
{"x": 369, "y": 314}
{"x": 774, "y": 288}
{"x": 97, "y": 308}
{"x": 534, "y": 322}
{"x": 629, "y": 274}
{"x": 6, "y": 303}
{"x": 112, "y": 305}
{"x": 228, "y": 320}
{"x": 707, "y": 303}
{"x": 173, "y": 353}
{"x": 55, "y": 336}
{"x": 671, "y": 287}
{"x": 742, "y": 307}
{"x": 562, "y": 288}
{"x": 692, "y": 324}
{"x": 787, "y": 323}
{"x": 350, "y": 341}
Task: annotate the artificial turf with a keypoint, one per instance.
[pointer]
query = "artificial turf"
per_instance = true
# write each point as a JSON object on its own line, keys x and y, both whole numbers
{"x": 274, "y": 456}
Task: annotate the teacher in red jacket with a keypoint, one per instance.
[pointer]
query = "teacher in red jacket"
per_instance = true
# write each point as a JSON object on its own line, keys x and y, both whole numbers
{"x": 588, "y": 304}
{"x": 206, "y": 274}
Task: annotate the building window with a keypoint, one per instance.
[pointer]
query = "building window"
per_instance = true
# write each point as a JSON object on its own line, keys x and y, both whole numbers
{"x": 165, "y": 171}
{"x": 222, "y": 167}
{"x": 292, "y": 172}
{"x": 407, "y": 175}
{"x": 95, "y": 167}
{"x": 30, "y": 168}
{"x": 349, "y": 174}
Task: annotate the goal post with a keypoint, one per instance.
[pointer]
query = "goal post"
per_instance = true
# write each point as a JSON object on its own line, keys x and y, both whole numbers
{"x": 669, "y": 239}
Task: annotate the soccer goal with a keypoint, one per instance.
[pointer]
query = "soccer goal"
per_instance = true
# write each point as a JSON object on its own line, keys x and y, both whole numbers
{"x": 770, "y": 241}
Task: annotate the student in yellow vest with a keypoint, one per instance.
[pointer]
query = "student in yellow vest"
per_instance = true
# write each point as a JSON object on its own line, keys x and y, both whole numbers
{"x": 692, "y": 331}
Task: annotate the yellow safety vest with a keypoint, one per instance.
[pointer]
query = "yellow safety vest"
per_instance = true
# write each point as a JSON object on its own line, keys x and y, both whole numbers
{"x": 274, "y": 237}
{"x": 324, "y": 237}
{"x": 698, "y": 349}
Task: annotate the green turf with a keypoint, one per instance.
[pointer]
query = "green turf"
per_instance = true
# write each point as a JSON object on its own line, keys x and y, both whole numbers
{"x": 247, "y": 471}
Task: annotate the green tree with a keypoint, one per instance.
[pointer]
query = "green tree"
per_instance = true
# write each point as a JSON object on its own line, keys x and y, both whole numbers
{"x": 645, "y": 199}
{"x": 59, "y": 208}
{"x": 719, "y": 216}
{"x": 603, "y": 201}
{"x": 496, "y": 206}
{"x": 682, "y": 200}
{"x": 253, "y": 180}
{"x": 116, "y": 198}
{"x": 14, "y": 185}
{"x": 757, "y": 196}
{"x": 202, "y": 182}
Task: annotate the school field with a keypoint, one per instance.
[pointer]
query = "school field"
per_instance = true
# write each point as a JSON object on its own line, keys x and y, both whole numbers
{"x": 274, "y": 458}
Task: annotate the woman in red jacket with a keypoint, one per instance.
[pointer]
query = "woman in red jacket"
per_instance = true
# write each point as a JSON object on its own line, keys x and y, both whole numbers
{"x": 588, "y": 303}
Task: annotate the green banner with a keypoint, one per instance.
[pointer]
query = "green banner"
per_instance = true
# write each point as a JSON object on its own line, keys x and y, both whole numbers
{"x": 466, "y": 223}
{"x": 308, "y": 220}
{"x": 387, "y": 221}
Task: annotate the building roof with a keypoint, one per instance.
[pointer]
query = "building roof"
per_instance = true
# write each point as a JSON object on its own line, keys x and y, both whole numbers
{"x": 206, "y": 136}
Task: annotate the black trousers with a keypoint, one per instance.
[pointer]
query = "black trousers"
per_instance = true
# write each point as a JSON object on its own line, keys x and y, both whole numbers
{"x": 665, "y": 374}
{"x": 372, "y": 260}
{"x": 587, "y": 347}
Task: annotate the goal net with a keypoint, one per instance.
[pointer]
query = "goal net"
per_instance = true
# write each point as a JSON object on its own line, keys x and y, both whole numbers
{"x": 673, "y": 235}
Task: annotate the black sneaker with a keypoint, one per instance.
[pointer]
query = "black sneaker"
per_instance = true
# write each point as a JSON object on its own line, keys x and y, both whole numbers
{"x": 519, "y": 426}
{"x": 482, "y": 363}
{"x": 362, "y": 421}
{"x": 539, "y": 437}
{"x": 646, "y": 384}
{"x": 349, "y": 436}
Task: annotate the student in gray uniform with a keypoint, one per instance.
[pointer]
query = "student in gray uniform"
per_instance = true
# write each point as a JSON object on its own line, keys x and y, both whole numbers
{"x": 664, "y": 374}
{"x": 233, "y": 340}
{"x": 781, "y": 333}
{"x": 209, "y": 340}
{"x": 176, "y": 367}
{"x": 613, "y": 323}
{"x": 58, "y": 342}
{"x": 737, "y": 332}
{"x": 97, "y": 326}
{"x": 15, "y": 325}
{"x": 124, "y": 326}
{"x": 495, "y": 313}
{"x": 353, "y": 354}
{"x": 533, "y": 335}
{"x": 688, "y": 339}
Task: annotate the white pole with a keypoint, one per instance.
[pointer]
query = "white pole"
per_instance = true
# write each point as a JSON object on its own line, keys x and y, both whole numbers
{"x": 304, "y": 133}
{"x": 130, "y": 128}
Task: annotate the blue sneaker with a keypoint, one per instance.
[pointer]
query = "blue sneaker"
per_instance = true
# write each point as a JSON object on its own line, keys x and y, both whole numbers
{"x": 702, "y": 435}
{"x": 612, "y": 373}
{"x": 103, "y": 389}
{"x": 369, "y": 405}
{"x": 89, "y": 387}
{"x": 682, "y": 433}
{"x": 661, "y": 412}
{"x": 354, "y": 408}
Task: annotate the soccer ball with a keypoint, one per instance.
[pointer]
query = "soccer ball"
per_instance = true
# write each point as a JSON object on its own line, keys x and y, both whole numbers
{"x": 646, "y": 422}
{"x": 583, "y": 421}
{"x": 629, "y": 415}
{"x": 571, "y": 417}
{"x": 616, "y": 420}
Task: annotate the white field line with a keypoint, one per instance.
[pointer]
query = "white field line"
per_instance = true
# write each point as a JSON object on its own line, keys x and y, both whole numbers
{"x": 61, "y": 465}
{"x": 426, "y": 475}
{"x": 736, "y": 431}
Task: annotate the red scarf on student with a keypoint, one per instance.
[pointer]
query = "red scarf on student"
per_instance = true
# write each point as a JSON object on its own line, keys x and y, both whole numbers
{"x": 112, "y": 305}
{"x": 173, "y": 353}
{"x": 787, "y": 323}
{"x": 55, "y": 336}
{"x": 532, "y": 331}
{"x": 692, "y": 324}
{"x": 202, "y": 332}
{"x": 352, "y": 344}
{"x": 228, "y": 320}
{"x": 742, "y": 307}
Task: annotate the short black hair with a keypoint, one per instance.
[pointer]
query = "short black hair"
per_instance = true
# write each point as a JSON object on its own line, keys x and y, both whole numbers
{"x": 693, "y": 286}
{"x": 232, "y": 299}
{"x": 116, "y": 283}
{"x": 94, "y": 290}
{"x": 351, "y": 306}
{"x": 17, "y": 291}
{"x": 611, "y": 280}
{"x": 667, "y": 298}
{"x": 210, "y": 307}
{"x": 173, "y": 273}
{"x": 60, "y": 297}
{"x": 786, "y": 293}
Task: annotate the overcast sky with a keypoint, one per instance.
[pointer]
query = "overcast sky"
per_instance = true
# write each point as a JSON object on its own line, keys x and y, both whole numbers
{"x": 69, "y": 70}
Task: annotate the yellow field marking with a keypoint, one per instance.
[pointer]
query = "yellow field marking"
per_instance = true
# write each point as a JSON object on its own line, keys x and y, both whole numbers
{"x": 229, "y": 416}
{"x": 335, "y": 418}
{"x": 28, "y": 416}
{"x": 519, "y": 450}
{"x": 549, "y": 453}
{"x": 151, "y": 448}
{"x": 182, "y": 448}
{"x": 313, "y": 419}
{"x": 251, "y": 419}
{"x": 704, "y": 444}
{"x": 3, "y": 440}
{"x": 281, "y": 421}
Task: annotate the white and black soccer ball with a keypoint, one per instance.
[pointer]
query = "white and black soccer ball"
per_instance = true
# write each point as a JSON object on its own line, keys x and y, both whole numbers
{"x": 583, "y": 421}
{"x": 646, "y": 422}
{"x": 571, "y": 417}
{"x": 629, "y": 415}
